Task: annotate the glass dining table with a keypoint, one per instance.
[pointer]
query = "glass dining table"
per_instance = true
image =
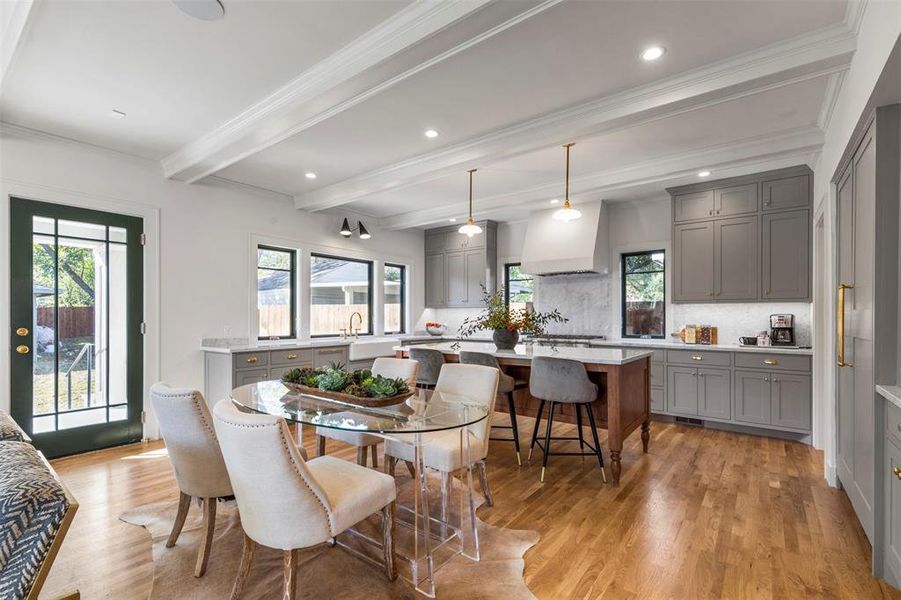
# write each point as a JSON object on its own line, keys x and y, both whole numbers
{"x": 435, "y": 538}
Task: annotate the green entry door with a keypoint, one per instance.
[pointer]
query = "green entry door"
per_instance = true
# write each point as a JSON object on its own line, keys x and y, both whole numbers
{"x": 76, "y": 314}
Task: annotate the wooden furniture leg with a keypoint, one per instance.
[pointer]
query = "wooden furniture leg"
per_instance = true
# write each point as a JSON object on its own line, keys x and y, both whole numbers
{"x": 646, "y": 424}
{"x": 483, "y": 480}
{"x": 374, "y": 455}
{"x": 290, "y": 574}
{"x": 184, "y": 503}
{"x": 361, "y": 456}
{"x": 614, "y": 425}
{"x": 209, "y": 526}
{"x": 320, "y": 445}
{"x": 388, "y": 540}
{"x": 243, "y": 567}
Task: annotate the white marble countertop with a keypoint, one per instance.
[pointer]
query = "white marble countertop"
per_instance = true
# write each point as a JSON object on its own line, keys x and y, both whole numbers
{"x": 892, "y": 393}
{"x": 670, "y": 345}
{"x": 595, "y": 356}
{"x": 230, "y": 345}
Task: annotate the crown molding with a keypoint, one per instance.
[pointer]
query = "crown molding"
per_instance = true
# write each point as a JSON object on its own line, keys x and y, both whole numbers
{"x": 764, "y": 151}
{"x": 833, "y": 87}
{"x": 12, "y": 33}
{"x": 352, "y": 74}
{"x": 815, "y": 54}
{"x": 854, "y": 12}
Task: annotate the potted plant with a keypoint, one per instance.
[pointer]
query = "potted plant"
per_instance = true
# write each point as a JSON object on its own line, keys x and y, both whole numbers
{"x": 506, "y": 323}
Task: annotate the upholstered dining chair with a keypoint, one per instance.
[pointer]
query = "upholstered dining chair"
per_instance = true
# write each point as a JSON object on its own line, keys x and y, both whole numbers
{"x": 441, "y": 450}
{"x": 287, "y": 503}
{"x": 430, "y": 363}
{"x": 187, "y": 428}
{"x": 395, "y": 368}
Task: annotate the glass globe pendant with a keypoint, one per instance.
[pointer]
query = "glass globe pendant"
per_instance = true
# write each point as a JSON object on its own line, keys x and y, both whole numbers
{"x": 470, "y": 228}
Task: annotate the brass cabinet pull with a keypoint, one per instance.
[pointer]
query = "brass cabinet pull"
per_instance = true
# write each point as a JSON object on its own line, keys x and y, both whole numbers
{"x": 22, "y": 349}
{"x": 710, "y": 213}
{"x": 22, "y": 331}
{"x": 841, "y": 324}
{"x": 252, "y": 359}
{"x": 897, "y": 472}
{"x": 292, "y": 356}
{"x": 697, "y": 357}
{"x": 770, "y": 361}
{"x": 767, "y": 379}
{"x": 899, "y": 427}
{"x": 766, "y": 292}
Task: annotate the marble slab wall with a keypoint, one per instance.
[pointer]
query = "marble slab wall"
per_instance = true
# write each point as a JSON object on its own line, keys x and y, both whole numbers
{"x": 583, "y": 299}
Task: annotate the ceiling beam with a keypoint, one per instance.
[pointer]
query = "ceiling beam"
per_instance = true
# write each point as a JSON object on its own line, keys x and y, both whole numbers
{"x": 15, "y": 17}
{"x": 796, "y": 145}
{"x": 348, "y": 77}
{"x": 813, "y": 55}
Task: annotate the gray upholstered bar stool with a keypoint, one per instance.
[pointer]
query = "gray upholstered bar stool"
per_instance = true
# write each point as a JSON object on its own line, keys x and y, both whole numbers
{"x": 505, "y": 387}
{"x": 430, "y": 363}
{"x": 562, "y": 381}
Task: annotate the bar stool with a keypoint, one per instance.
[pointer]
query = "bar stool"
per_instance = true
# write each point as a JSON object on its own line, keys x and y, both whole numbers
{"x": 506, "y": 386}
{"x": 562, "y": 381}
{"x": 430, "y": 363}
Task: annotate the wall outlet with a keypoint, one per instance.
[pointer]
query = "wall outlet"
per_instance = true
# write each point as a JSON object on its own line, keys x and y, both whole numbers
{"x": 227, "y": 331}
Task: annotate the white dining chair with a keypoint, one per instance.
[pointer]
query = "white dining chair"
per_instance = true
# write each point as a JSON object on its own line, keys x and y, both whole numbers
{"x": 395, "y": 368}
{"x": 442, "y": 450}
{"x": 287, "y": 503}
{"x": 187, "y": 428}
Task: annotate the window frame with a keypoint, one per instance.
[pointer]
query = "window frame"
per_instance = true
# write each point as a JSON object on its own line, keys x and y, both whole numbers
{"x": 507, "y": 281}
{"x": 623, "y": 276}
{"x": 293, "y": 271}
{"x": 403, "y": 296}
{"x": 371, "y": 295}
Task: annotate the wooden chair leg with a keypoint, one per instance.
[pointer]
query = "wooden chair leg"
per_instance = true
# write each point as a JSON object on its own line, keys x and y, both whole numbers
{"x": 243, "y": 567}
{"x": 535, "y": 430}
{"x": 184, "y": 503}
{"x": 209, "y": 526}
{"x": 388, "y": 541}
{"x": 390, "y": 462}
{"x": 290, "y": 574}
{"x": 411, "y": 469}
{"x": 483, "y": 479}
{"x": 374, "y": 455}
{"x": 320, "y": 445}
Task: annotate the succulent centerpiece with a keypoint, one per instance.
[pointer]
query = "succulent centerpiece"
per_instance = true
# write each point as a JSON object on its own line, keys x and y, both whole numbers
{"x": 357, "y": 387}
{"x": 506, "y": 323}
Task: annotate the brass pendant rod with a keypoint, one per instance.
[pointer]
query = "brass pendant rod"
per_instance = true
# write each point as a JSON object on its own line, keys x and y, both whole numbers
{"x": 566, "y": 197}
{"x": 471, "y": 171}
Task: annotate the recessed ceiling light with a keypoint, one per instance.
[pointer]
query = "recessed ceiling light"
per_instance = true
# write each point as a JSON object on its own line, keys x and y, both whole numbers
{"x": 116, "y": 114}
{"x": 452, "y": 220}
{"x": 555, "y": 201}
{"x": 431, "y": 133}
{"x": 652, "y": 53}
{"x": 703, "y": 173}
{"x": 310, "y": 175}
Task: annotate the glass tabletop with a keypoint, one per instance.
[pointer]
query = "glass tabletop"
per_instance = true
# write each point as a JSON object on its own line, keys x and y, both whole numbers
{"x": 422, "y": 412}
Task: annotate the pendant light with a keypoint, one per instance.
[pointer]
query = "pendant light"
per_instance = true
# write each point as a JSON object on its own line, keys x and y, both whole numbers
{"x": 345, "y": 229}
{"x": 567, "y": 213}
{"x": 470, "y": 229}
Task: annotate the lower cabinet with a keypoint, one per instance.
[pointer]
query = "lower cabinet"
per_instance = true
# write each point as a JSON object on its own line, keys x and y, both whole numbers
{"x": 752, "y": 397}
{"x": 714, "y": 399}
{"x": 658, "y": 399}
{"x": 779, "y": 399}
{"x": 682, "y": 385}
{"x": 250, "y": 376}
{"x": 892, "y": 524}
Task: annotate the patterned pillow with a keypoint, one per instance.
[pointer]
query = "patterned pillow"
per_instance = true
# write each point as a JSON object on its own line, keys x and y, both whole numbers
{"x": 10, "y": 430}
{"x": 32, "y": 507}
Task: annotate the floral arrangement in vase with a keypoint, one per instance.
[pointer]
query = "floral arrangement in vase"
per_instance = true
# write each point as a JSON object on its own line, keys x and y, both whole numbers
{"x": 507, "y": 323}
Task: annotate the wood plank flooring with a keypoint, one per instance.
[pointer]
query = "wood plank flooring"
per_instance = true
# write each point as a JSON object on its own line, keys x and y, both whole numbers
{"x": 706, "y": 514}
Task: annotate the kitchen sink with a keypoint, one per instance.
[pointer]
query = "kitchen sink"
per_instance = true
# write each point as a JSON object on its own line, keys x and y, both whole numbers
{"x": 372, "y": 348}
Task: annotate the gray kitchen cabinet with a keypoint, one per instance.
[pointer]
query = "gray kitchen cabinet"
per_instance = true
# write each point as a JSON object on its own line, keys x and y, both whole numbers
{"x": 693, "y": 262}
{"x": 456, "y": 279}
{"x": 658, "y": 400}
{"x": 457, "y": 266}
{"x": 250, "y": 376}
{"x": 435, "y": 280}
{"x": 892, "y": 512}
{"x": 786, "y": 256}
{"x": 790, "y": 400}
{"x": 330, "y": 354}
{"x": 476, "y": 274}
{"x": 786, "y": 192}
{"x": 736, "y": 200}
{"x": 735, "y": 259}
{"x": 682, "y": 390}
{"x": 752, "y": 397}
{"x": 714, "y": 393}
{"x": 692, "y": 206}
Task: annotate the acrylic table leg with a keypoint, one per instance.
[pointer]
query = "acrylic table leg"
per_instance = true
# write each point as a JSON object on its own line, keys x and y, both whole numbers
{"x": 422, "y": 538}
{"x": 468, "y": 527}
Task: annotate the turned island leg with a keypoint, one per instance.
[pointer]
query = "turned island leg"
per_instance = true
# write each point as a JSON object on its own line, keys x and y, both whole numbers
{"x": 646, "y": 425}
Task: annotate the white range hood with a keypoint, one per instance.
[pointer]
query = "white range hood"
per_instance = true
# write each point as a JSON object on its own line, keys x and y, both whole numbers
{"x": 557, "y": 248}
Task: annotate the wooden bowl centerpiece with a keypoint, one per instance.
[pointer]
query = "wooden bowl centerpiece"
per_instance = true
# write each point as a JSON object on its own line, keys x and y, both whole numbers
{"x": 351, "y": 387}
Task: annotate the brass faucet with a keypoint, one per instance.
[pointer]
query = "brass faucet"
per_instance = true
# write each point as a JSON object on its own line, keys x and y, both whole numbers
{"x": 350, "y": 325}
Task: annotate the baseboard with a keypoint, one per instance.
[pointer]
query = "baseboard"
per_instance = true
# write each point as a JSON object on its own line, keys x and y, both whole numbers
{"x": 830, "y": 473}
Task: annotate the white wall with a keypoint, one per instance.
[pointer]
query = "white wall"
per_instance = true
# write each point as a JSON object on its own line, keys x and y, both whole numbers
{"x": 199, "y": 254}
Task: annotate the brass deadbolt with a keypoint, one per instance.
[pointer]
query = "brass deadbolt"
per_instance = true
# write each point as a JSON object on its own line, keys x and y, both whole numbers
{"x": 22, "y": 331}
{"x": 23, "y": 349}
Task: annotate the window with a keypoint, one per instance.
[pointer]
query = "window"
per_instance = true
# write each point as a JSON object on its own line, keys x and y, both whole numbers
{"x": 644, "y": 298}
{"x": 276, "y": 285}
{"x": 517, "y": 286}
{"x": 339, "y": 287}
{"x": 395, "y": 298}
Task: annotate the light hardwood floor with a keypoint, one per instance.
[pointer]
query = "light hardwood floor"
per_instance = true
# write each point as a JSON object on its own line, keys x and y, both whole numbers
{"x": 706, "y": 514}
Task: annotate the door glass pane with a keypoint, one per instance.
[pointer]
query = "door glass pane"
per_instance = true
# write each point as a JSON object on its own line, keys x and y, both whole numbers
{"x": 42, "y": 225}
{"x": 44, "y": 334}
{"x": 114, "y": 343}
{"x": 78, "y": 229}
{"x": 81, "y": 418}
{"x": 118, "y": 234}
{"x": 394, "y": 298}
{"x": 339, "y": 288}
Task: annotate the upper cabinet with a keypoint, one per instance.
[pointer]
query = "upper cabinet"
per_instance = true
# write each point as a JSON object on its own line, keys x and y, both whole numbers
{"x": 745, "y": 239}
{"x": 458, "y": 266}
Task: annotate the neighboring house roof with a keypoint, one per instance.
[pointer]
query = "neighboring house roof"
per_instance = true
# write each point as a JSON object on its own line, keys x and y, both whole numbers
{"x": 324, "y": 273}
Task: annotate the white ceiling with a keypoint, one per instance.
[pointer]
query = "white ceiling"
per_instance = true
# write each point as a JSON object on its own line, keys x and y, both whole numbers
{"x": 743, "y": 84}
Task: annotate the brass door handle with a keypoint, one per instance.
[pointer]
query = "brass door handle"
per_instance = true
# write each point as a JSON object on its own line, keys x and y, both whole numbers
{"x": 292, "y": 356}
{"x": 770, "y": 362}
{"x": 841, "y": 324}
{"x": 22, "y": 349}
{"x": 22, "y": 331}
{"x": 252, "y": 359}
{"x": 897, "y": 472}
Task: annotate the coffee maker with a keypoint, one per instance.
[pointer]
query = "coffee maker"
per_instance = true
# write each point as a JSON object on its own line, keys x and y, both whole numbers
{"x": 782, "y": 330}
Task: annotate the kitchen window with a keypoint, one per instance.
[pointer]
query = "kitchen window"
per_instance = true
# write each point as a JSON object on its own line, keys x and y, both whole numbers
{"x": 517, "y": 286}
{"x": 339, "y": 288}
{"x": 276, "y": 289}
{"x": 644, "y": 297}
{"x": 395, "y": 298}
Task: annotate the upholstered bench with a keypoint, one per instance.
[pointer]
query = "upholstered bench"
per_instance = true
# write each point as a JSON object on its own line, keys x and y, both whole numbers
{"x": 35, "y": 513}
{"x": 10, "y": 430}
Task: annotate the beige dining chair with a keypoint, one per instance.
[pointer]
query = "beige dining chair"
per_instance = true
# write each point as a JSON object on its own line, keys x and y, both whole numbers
{"x": 187, "y": 428}
{"x": 395, "y": 368}
{"x": 287, "y": 503}
{"x": 441, "y": 449}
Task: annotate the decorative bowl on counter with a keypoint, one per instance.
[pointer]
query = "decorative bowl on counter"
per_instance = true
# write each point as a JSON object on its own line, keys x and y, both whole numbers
{"x": 436, "y": 329}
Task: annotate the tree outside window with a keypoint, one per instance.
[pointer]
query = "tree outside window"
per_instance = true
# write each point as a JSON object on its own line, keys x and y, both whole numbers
{"x": 518, "y": 288}
{"x": 644, "y": 298}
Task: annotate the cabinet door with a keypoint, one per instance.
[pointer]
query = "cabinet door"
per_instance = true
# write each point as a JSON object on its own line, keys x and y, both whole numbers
{"x": 658, "y": 399}
{"x": 455, "y": 241}
{"x": 786, "y": 256}
{"x": 435, "y": 281}
{"x": 714, "y": 393}
{"x": 251, "y": 376}
{"x": 736, "y": 200}
{"x": 434, "y": 243}
{"x": 698, "y": 205}
{"x": 456, "y": 279}
{"x": 682, "y": 390}
{"x": 735, "y": 259}
{"x": 752, "y": 397}
{"x": 475, "y": 276}
{"x": 892, "y": 522}
{"x": 693, "y": 262}
{"x": 791, "y": 401}
{"x": 277, "y": 372}
{"x": 790, "y": 192}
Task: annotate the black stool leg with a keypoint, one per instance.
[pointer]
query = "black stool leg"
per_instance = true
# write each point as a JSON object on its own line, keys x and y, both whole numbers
{"x": 597, "y": 442}
{"x": 511, "y": 407}
{"x": 579, "y": 425}
{"x": 535, "y": 431}
{"x": 547, "y": 439}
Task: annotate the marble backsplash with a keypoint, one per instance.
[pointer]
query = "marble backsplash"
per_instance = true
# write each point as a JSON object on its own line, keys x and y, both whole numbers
{"x": 583, "y": 299}
{"x": 736, "y": 320}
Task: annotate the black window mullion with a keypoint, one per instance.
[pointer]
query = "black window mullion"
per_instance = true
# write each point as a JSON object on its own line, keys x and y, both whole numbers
{"x": 403, "y": 295}
{"x": 624, "y": 279}
{"x": 370, "y": 302}
{"x": 292, "y": 292}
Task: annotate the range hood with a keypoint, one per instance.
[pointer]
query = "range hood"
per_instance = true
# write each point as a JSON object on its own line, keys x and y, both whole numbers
{"x": 557, "y": 248}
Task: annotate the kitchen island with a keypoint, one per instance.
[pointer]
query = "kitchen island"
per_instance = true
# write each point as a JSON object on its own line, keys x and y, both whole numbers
{"x": 622, "y": 375}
